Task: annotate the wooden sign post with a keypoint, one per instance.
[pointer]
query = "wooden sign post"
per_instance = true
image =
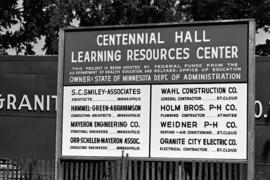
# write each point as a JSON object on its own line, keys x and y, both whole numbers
{"x": 159, "y": 91}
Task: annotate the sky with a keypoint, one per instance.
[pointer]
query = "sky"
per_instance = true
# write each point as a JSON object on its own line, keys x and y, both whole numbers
{"x": 260, "y": 38}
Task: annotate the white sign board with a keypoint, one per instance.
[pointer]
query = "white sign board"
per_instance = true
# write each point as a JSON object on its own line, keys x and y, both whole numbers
{"x": 199, "y": 120}
{"x": 104, "y": 120}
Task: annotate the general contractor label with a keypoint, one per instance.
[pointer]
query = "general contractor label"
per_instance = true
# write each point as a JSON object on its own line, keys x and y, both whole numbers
{"x": 199, "y": 120}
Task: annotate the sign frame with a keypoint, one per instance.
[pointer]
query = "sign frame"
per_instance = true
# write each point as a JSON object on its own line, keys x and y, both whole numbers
{"x": 250, "y": 92}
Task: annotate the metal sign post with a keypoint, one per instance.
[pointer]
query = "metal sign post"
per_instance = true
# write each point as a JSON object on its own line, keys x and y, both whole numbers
{"x": 251, "y": 98}
{"x": 162, "y": 91}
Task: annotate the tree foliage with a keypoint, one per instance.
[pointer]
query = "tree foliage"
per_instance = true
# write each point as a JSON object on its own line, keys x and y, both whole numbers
{"x": 232, "y": 9}
{"x": 263, "y": 49}
{"x": 39, "y": 19}
{"x": 10, "y": 15}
